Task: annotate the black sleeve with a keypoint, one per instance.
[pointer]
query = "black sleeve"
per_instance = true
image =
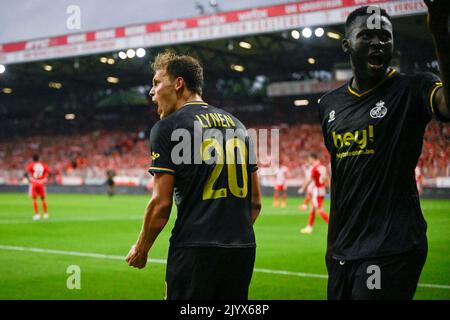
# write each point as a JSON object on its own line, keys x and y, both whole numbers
{"x": 428, "y": 83}
{"x": 161, "y": 149}
{"x": 319, "y": 109}
{"x": 323, "y": 121}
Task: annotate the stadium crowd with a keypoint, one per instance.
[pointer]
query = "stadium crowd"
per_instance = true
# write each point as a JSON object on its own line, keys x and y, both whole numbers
{"x": 89, "y": 155}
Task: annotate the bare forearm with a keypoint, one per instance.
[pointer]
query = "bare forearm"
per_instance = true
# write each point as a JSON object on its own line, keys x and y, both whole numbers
{"x": 306, "y": 184}
{"x": 256, "y": 209}
{"x": 256, "y": 197}
{"x": 155, "y": 219}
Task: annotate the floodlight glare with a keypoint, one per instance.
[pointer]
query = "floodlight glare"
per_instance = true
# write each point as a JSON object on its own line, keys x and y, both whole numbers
{"x": 131, "y": 53}
{"x": 140, "y": 52}
{"x": 122, "y": 55}
{"x": 319, "y": 32}
{"x": 307, "y": 33}
{"x": 295, "y": 34}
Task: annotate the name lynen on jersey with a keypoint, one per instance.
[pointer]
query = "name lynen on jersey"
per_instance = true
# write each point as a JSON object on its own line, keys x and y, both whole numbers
{"x": 361, "y": 137}
{"x": 214, "y": 120}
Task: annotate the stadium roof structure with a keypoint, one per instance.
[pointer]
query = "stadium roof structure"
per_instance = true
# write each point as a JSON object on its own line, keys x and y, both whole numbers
{"x": 277, "y": 56}
{"x": 234, "y": 59}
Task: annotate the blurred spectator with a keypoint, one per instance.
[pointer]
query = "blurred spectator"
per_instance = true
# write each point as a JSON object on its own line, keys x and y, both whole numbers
{"x": 89, "y": 155}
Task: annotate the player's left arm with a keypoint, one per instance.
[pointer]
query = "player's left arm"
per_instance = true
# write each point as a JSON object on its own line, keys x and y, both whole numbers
{"x": 156, "y": 216}
{"x": 438, "y": 16}
{"x": 305, "y": 185}
{"x": 256, "y": 197}
{"x": 27, "y": 172}
{"x": 48, "y": 173}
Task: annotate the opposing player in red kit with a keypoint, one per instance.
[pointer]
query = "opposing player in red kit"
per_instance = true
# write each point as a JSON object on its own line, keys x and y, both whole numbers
{"x": 318, "y": 177}
{"x": 37, "y": 173}
{"x": 280, "y": 187}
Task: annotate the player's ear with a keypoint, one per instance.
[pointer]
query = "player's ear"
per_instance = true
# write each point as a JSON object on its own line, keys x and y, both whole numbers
{"x": 179, "y": 83}
{"x": 346, "y": 45}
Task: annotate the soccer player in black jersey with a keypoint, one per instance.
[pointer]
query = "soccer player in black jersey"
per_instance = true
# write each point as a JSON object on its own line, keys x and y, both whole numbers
{"x": 201, "y": 156}
{"x": 373, "y": 128}
{"x": 111, "y": 190}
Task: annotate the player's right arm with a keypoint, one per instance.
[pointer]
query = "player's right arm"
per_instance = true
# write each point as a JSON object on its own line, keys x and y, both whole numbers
{"x": 27, "y": 172}
{"x": 256, "y": 196}
{"x": 438, "y": 13}
{"x": 158, "y": 209}
{"x": 156, "y": 216}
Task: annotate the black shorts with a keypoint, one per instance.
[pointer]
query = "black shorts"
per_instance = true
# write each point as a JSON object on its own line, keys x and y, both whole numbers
{"x": 209, "y": 273}
{"x": 392, "y": 277}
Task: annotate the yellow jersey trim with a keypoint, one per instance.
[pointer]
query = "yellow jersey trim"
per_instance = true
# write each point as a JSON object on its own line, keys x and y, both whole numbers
{"x": 437, "y": 85}
{"x": 359, "y": 95}
{"x": 201, "y": 103}
{"x": 161, "y": 169}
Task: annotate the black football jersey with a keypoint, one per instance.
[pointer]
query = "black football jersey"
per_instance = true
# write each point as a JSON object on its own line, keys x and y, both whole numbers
{"x": 209, "y": 152}
{"x": 375, "y": 140}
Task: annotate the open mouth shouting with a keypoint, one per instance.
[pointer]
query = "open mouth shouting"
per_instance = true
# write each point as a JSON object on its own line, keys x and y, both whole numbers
{"x": 376, "y": 60}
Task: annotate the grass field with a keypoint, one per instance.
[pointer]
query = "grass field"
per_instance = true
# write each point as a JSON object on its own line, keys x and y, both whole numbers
{"x": 95, "y": 233}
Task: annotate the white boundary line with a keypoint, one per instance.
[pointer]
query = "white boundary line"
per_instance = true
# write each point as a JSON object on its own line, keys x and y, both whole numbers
{"x": 74, "y": 219}
{"x": 163, "y": 261}
{"x": 73, "y": 253}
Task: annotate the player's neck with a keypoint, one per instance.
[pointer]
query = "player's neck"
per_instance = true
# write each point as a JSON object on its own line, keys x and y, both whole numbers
{"x": 362, "y": 83}
{"x": 187, "y": 98}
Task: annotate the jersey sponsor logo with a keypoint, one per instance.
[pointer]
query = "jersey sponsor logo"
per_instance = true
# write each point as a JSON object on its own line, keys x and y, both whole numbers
{"x": 360, "y": 137}
{"x": 379, "y": 111}
{"x": 332, "y": 116}
{"x": 155, "y": 155}
{"x": 355, "y": 153}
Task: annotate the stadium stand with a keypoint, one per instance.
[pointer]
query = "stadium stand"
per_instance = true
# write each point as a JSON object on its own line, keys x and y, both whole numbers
{"x": 87, "y": 156}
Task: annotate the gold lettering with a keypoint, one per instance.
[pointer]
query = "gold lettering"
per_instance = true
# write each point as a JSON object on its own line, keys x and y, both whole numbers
{"x": 206, "y": 117}
{"x": 201, "y": 122}
{"x": 222, "y": 119}
{"x": 363, "y": 141}
{"x": 361, "y": 137}
{"x": 214, "y": 118}
{"x": 371, "y": 133}
{"x": 337, "y": 139}
{"x": 348, "y": 137}
{"x": 229, "y": 120}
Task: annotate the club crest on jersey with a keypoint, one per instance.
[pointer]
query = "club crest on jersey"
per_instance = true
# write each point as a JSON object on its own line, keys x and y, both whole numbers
{"x": 379, "y": 111}
{"x": 332, "y": 116}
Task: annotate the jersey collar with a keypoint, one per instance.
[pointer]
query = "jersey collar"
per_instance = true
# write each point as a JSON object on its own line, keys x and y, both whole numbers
{"x": 197, "y": 103}
{"x": 359, "y": 95}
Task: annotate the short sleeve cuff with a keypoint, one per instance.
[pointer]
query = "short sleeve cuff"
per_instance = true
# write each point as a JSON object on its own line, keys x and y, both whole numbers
{"x": 153, "y": 170}
{"x": 435, "y": 87}
{"x": 433, "y": 108}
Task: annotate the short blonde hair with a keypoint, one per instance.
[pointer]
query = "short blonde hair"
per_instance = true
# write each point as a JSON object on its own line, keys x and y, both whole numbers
{"x": 183, "y": 66}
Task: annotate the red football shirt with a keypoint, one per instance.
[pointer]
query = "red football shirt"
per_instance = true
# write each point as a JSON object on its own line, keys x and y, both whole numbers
{"x": 318, "y": 173}
{"x": 38, "y": 172}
